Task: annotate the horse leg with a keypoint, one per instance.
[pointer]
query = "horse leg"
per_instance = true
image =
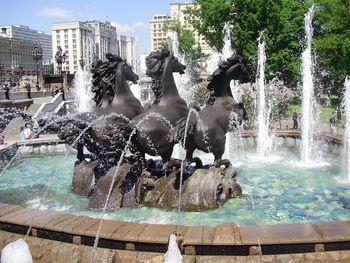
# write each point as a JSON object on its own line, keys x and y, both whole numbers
{"x": 80, "y": 154}
{"x": 218, "y": 159}
{"x": 166, "y": 156}
{"x": 191, "y": 159}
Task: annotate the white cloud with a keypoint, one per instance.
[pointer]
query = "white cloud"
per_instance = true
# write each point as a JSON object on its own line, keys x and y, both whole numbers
{"x": 56, "y": 13}
{"x": 129, "y": 28}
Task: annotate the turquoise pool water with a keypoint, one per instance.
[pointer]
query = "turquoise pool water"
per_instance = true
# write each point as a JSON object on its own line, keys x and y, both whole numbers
{"x": 282, "y": 190}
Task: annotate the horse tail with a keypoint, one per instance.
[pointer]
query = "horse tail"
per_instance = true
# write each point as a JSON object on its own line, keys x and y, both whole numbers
{"x": 179, "y": 131}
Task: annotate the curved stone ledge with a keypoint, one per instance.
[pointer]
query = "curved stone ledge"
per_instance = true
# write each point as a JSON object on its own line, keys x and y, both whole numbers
{"x": 226, "y": 239}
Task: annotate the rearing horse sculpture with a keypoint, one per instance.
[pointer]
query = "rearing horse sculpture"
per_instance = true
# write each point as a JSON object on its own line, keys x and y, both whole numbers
{"x": 207, "y": 128}
{"x": 154, "y": 126}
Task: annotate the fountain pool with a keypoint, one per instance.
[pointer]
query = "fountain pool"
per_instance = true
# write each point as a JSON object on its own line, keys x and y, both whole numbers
{"x": 283, "y": 190}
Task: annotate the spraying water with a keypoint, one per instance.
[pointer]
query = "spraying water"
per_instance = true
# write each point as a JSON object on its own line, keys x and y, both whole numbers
{"x": 346, "y": 139}
{"x": 307, "y": 121}
{"x": 83, "y": 78}
{"x": 264, "y": 142}
{"x": 183, "y": 82}
{"x": 136, "y": 88}
{"x": 82, "y": 89}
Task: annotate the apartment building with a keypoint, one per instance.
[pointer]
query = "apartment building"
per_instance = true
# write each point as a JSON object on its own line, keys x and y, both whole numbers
{"x": 16, "y": 59}
{"x": 158, "y": 34}
{"x": 24, "y": 33}
{"x": 88, "y": 41}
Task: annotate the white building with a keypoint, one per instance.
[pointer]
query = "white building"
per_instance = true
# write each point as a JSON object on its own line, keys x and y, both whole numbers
{"x": 21, "y": 32}
{"x": 158, "y": 34}
{"x": 88, "y": 41}
{"x": 177, "y": 13}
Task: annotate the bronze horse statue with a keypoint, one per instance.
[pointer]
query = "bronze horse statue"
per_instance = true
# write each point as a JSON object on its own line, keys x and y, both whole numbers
{"x": 154, "y": 126}
{"x": 115, "y": 105}
{"x": 207, "y": 128}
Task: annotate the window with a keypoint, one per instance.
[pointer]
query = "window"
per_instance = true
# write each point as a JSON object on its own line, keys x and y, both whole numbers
{"x": 74, "y": 51}
{"x": 66, "y": 46}
{"x": 74, "y": 35}
{"x": 74, "y": 41}
{"x": 65, "y": 35}
{"x": 66, "y": 31}
{"x": 74, "y": 46}
{"x": 66, "y": 41}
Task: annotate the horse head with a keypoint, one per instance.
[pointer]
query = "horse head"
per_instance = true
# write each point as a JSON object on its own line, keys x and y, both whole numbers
{"x": 129, "y": 74}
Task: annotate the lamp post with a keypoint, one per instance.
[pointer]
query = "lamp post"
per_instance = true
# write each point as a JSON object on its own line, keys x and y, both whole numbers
{"x": 20, "y": 67}
{"x": 37, "y": 55}
{"x": 60, "y": 59}
{"x": 2, "y": 66}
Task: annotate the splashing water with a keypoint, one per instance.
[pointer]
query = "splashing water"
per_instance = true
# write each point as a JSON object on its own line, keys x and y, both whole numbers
{"x": 82, "y": 89}
{"x": 173, "y": 255}
{"x": 183, "y": 82}
{"x": 264, "y": 141}
{"x": 307, "y": 121}
{"x": 16, "y": 252}
{"x": 347, "y": 131}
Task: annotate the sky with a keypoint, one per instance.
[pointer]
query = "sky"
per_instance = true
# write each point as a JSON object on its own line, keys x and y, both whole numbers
{"x": 129, "y": 16}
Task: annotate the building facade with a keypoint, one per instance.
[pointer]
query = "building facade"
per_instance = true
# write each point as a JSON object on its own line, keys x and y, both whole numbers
{"x": 21, "y": 32}
{"x": 88, "y": 41}
{"x": 16, "y": 60}
{"x": 158, "y": 34}
{"x": 177, "y": 13}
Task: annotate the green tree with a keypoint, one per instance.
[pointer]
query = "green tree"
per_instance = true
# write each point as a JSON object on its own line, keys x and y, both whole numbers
{"x": 49, "y": 69}
{"x": 332, "y": 43}
{"x": 280, "y": 22}
{"x": 188, "y": 48}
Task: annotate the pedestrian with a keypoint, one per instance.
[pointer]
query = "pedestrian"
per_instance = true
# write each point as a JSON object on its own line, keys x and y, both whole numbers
{"x": 332, "y": 123}
{"x": 22, "y": 134}
{"x": 295, "y": 120}
{"x": 2, "y": 137}
{"x": 28, "y": 132}
{"x": 36, "y": 129}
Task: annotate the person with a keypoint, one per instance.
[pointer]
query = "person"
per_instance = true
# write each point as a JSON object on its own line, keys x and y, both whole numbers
{"x": 22, "y": 134}
{"x": 36, "y": 129}
{"x": 2, "y": 137}
{"x": 295, "y": 120}
{"x": 28, "y": 132}
{"x": 332, "y": 123}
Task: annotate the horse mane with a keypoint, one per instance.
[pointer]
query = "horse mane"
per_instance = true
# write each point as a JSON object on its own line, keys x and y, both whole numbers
{"x": 223, "y": 66}
{"x": 104, "y": 74}
{"x": 155, "y": 66}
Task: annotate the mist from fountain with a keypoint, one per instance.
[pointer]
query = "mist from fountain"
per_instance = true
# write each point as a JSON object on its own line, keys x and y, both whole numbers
{"x": 307, "y": 120}
{"x": 82, "y": 85}
{"x": 346, "y": 138}
{"x": 82, "y": 82}
{"x": 264, "y": 141}
{"x": 182, "y": 81}
{"x": 136, "y": 64}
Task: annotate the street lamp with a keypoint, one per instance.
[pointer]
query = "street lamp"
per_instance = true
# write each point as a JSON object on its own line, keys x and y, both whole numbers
{"x": 20, "y": 67}
{"x": 60, "y": 59}
{"x": 2, "y": 66}
{"x": 37, "y": 55}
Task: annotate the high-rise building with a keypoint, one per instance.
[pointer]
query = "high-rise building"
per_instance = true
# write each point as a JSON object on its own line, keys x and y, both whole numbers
{"x": 177, "y": 13}
{"x": 16, "y": 60}
{"x": 88, "y": 41}
{"x": 158, "y": 34}
{"x": 21, "y": 32}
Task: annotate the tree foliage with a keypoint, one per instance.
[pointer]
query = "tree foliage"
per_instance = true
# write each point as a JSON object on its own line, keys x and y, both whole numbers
{"x": 188, "y": 48}
{"x": 332, "y": 43}
{"x": 280, "y": 22}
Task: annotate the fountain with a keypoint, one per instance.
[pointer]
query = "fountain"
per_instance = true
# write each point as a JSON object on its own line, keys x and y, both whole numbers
{"x": 264, "y": 142}
{"x": 347, "y": 131}
{"x": 151, "y": 191}
{"x": 307, "y": 120}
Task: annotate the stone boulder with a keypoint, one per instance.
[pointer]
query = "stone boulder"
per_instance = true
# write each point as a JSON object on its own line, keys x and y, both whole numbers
{"x": 84, "y": 177}
{"x": 203, "y": 190}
